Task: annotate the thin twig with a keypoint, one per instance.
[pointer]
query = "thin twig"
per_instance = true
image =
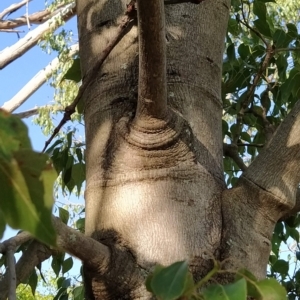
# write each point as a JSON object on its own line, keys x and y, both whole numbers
{"x": 245, "y": 23}
{"x": 250, "y": 145}
{"x": 287, "y": 49}
{"x": 11, "y": 30}
{"x": 130, "y": 16}
{"x": 34, "y": 111}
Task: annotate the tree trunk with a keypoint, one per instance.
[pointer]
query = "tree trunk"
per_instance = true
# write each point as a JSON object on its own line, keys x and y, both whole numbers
{"x": 153, "y": 191}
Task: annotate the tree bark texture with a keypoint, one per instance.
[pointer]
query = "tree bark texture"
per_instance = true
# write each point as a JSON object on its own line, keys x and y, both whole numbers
{"x": 153, "y": 193}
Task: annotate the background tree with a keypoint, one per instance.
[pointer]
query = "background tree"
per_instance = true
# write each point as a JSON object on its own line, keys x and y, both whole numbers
{"x": 155, "y": 190}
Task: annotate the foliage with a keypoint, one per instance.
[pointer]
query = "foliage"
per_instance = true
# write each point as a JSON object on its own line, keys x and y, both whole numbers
{"x": 176, "y": 282}
{"x": 27, "y": 182}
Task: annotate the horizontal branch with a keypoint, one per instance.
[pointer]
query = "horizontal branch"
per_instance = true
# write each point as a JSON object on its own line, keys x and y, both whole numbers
{"x": 36, "y": 82}
{"x": 35, "y": 18}
{"x": 15, "y": 241}
{"x": 13, "y": 52}
{"x": 76, "y": 243}
{"x": 11, "y": 30}
{"x": 34, "y": 111}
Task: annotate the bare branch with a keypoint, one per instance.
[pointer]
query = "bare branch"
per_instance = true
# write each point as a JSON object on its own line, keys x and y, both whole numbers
{"x": 12, "y": 8}
{"x": 34, "y": 111}
{"x": 39, "y": 17}
{"x": 152, "y": 89}
{"x": 11, "y": 30}
{"x": 9, "y": 54}
{"x": 36, "y": 82}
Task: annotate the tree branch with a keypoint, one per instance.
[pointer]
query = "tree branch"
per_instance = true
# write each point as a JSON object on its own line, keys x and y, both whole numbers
{"x": 34, "y": 111}
{"x": 76, "y": 243}
{"x": 277, "y": 168}
{"x": 11, "y": 272}
{"x": 15, "y": 241}
{"x": 12, "y": 8}
{"x": 11, "y": 31}
{"x": 13, "y": 52}
{"x": 152, "y": 90}
{"x": 34, "y": 255}
{"x": 231, "y": 151}
{"x": 294, "y": 210}
{"x": 36, "y": 82}
{"x": 35, "y": 18}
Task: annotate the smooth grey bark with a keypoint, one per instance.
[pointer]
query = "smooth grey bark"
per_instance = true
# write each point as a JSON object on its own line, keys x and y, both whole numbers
{"x": 153, "y": 195}
{"x": 266, "y": 192}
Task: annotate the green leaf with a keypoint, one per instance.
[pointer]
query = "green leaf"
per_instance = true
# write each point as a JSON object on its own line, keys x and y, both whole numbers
{"x": 234, "y": 291}
{"x": 280, "y": 39}
{"x": 233, "y": 27}
{"x": 78, "y": 175}
{"x": 169, "y": 283}
{"x": 2, "y": 225}
{"x": 56, "y": 264}
{"x": 80, "y": 224}
{"x": 292, "y": 30}
{"x": 64, "y": 215}
{"x": 67, "y": 265}
{"x": 263, "y": 27}
{"x": 33, "y": 280}
{"x": 79, "y": 154}
{"x": 231, "y": 52}
{"x": 27, "y": 189}
{"x": 61, "y": 294}
{"x": 78, "y": 293}
{"x": 50, "y": 149}
{"x": 244, "y": 51}
{"x": 74, "y": 73}
{"x": 269, "y": 289}
{"x": 69, "y": 139}
{"x": 281, "y": 266}
{"x": 260, "y": 10}
{"x": 13, "y": 135}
